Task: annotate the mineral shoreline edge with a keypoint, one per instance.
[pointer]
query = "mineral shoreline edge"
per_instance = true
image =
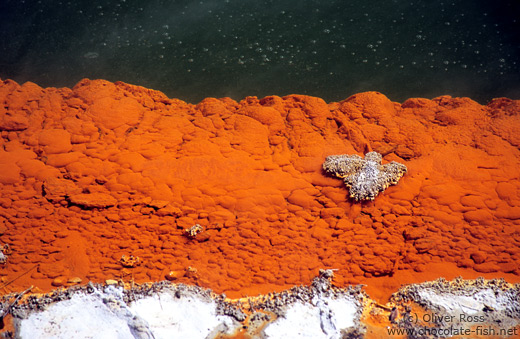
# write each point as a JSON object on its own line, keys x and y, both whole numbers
{"x": 102, "y": 181}
{"x": 472, "y": 308}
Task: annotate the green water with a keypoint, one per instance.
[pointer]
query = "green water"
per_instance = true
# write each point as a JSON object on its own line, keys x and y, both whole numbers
{"x": 331, "y": 49}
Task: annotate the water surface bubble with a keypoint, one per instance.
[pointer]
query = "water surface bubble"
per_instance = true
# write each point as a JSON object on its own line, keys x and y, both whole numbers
{"x": 91, "y": 55}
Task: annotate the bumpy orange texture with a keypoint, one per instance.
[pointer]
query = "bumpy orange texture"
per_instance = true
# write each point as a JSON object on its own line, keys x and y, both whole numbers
{"x": 105, "y": 169}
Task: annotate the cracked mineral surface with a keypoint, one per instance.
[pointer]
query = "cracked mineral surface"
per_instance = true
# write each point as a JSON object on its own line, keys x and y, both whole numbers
{"x": 103, "y": 170}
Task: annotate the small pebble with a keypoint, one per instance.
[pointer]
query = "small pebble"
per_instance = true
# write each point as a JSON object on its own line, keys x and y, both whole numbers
{"x": 59, "y": 281}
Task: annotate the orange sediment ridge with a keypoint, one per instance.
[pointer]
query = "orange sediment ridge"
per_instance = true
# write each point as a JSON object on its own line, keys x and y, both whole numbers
{"x": 105, "y": 170}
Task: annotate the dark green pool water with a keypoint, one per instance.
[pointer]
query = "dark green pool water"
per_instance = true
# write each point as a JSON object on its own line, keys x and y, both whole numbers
{"x": 331, "y": 49}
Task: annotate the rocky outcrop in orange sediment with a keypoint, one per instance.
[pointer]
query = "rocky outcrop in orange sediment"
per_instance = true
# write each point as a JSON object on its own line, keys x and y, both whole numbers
{"x": 364, "y": 178}
{"x": 102, "y": 170}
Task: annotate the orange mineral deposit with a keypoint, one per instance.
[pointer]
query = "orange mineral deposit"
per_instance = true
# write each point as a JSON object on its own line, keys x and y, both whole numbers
{"x": 105, "y": 170}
